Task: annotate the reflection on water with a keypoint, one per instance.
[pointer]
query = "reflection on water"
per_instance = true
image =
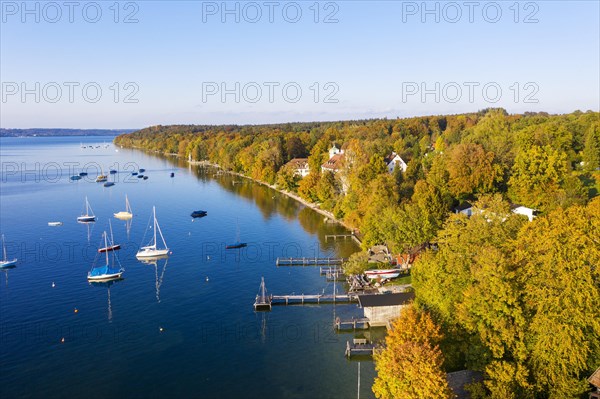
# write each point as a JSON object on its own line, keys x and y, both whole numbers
{"x": 107, "y": 285}
{"x": 159, "y": 335}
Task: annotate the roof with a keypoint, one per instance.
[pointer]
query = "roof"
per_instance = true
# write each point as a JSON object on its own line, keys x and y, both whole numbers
{"x": 463, "y": 206}
{"x": 299, "y": 163}
{"x": 390, "y": 158}
{"x": 458, "y": 379}
{"x": 376, "y": 300}
{"x": 595, "y": 378}
{"x": 334, "y": 163}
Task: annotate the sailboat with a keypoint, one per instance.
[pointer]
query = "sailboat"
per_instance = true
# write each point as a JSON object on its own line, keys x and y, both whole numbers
{"x": 152, "y": 251}
{"x": 5, "y": 262}
{"x": 106, "y": 272}
{"x": 89, "y": 213}
{"x": 101, "y": 177}
{"x": 127, "y": 213}
{"x": 237, "y": 243}
{"x": 113, "y": 247}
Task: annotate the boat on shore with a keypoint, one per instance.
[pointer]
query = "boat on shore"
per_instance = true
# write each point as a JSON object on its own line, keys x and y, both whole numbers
{"x": 382, "y": 273}
{"x": 89, "y": 213}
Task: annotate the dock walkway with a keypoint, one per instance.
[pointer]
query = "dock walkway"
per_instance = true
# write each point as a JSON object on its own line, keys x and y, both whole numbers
{"x": 359, "y": 346}
{"x": 309, "y": 261}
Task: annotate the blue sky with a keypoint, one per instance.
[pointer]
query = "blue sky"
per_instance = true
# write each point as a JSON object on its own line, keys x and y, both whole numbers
{"x": 354, "y": 59}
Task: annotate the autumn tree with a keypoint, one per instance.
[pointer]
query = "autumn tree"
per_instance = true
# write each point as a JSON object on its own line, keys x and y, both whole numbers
{"x": 591, "y": 150}
{"x": 410, "y": 366}
{"x": 558, "y": 256}
{"x": 471, "y": 170}
{"x": 537, "y": 176}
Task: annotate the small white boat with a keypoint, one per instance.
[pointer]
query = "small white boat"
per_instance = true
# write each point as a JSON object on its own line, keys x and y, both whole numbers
{"x": 55, "y": 223}
{"x": 127, "y": 213}
{"x": 151, "y": 250}
{"x": 89, "y": 213}
{"x": 5, "y": 262}
{"x": 382, "y": 273}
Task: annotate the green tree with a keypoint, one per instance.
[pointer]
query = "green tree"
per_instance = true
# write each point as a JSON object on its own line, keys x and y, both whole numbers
{"x": 558, "y": 256}
{"x": 537, "y": 176}
{"x": 591, "y": 150}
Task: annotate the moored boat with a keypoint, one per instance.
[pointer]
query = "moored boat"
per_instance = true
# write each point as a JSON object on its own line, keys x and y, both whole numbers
{"x": 127, "y": 213}
{"x": 89, "y": 213}
{"x": 106, "y": 272}
{"x": 151, "y": 250}
{"x": 236, "y": 245}
{"x": 5, "y": 262}
{"x": 55, "y": 223}
{"x": 75, "y": 177}
{"x": 109, "y": 184}
{"x": 199, "y": 214}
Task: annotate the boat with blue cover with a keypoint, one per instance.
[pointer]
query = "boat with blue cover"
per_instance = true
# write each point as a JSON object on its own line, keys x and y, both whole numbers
{"x": 199, "y": 214}
{"x": 108, "y": 271}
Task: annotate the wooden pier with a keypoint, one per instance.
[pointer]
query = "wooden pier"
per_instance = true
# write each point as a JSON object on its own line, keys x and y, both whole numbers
{"x": 343, "y": 237}
{"x": 326, "y": 270}
{"x": 335, "y": 237}
{"x": 263, "y": 301}
{"x": 314, "y": 299}
{"x": 360, "y": 346}
{"x": 362, "y": 323}
{"x": 309, "y": 261}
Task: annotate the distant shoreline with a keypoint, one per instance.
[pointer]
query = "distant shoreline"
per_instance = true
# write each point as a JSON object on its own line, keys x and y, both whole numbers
{"x": 293, "y": 196}
{"x": 41, "y": 132}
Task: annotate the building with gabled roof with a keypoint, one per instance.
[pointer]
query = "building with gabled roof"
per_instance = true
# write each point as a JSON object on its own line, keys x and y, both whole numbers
{"x": 394, "y": 161}
{"x": 300, "y": 166}
{"x": 334, "y": 164}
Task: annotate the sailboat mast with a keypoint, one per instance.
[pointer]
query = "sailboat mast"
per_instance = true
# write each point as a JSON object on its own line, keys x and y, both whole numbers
{"x": 154, "y": 211}
{"x": 105, "y": 246}
{"x": 4, "y": 248}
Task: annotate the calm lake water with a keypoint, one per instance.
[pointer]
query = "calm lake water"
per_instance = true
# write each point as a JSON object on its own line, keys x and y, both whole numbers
{"x": 212, "y": 344}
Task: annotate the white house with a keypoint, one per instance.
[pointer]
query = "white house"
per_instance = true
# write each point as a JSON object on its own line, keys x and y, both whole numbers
{"x": 523, "y": 210}
{"x": 335, "y": 150}
{"x": 300, "y": 166}
{"x": 392, "y": 161}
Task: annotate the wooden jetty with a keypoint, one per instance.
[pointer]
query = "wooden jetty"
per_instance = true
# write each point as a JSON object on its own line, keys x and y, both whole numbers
{"x": 359, "y": 346}
{"x": 309, "y": 261}
{"x": 340, "y": 236}
{"x": 327, "y": 270}
{"x": 263, "y": 301}
{"x": 362, "y": 323}
{"x": 307, "y": 299}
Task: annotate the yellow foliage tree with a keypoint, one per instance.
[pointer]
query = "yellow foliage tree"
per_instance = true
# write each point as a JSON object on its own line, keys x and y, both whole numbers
{"x": 410, "y": 367}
